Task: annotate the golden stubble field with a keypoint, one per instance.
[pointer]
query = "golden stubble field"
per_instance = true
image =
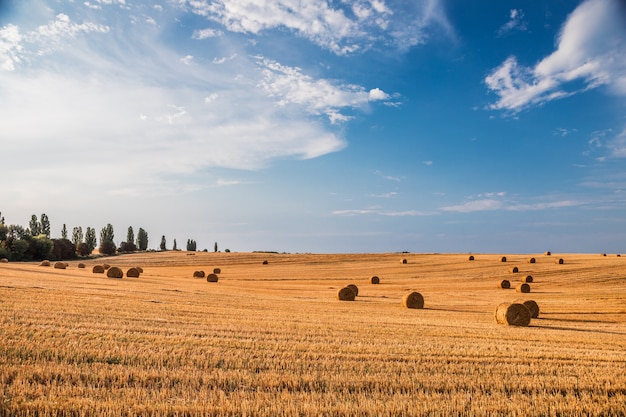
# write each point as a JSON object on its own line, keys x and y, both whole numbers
{"x": 271, "y": 340}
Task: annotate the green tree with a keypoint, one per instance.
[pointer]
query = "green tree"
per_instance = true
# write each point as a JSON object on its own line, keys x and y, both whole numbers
{"x": 1, "y": 218}
{"x": 40, "y": 247}
{"x": 142, "y": 239}
{"x": 191, "y": 245}
{"x": 130, "y": 235}
{"x": 163, "y": 243}
{"x": 64, "y": 232}
{"x": 215, "y": 247}
{"x": 107, "y": 246}
{"x": 77, "y": 236}
{"x": 90, "y": 239}
{"x": 174, "y": 247}
{"x": 34, "y": 225}
{"x": 45, "y": 225}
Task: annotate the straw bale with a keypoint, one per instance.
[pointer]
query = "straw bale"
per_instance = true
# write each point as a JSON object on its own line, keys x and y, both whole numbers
{"x": 514, "y": 314}
{"x": 346, "y": 294}
{"x": 133, "y": 273}
{"x": 413, "y": 299}
{"x": 115, "y": 272}
{"x": 354, "y": 289}
{"x": 504, "y": 284}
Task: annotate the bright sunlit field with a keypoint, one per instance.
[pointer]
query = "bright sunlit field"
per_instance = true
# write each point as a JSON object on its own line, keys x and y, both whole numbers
{"x": 272, "y": 339}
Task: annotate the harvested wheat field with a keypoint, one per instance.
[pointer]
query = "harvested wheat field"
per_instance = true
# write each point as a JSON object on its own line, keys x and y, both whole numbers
{"x": 273, "y": 339}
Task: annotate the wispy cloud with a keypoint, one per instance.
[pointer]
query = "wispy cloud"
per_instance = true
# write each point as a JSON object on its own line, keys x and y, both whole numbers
{"x": 386, "y": 213}
{"x": 499, "y": 201}
{"x": 516, "y": 22}
{"x": 343, "y": 28}
{"x": 591, "y": 50}
{"x": 617, "y": 145}
{"x": 289, "y": 86}
{"x": 387, "y": 177}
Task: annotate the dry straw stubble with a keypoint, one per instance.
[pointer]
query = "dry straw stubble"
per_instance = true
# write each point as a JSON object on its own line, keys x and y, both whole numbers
{"x": 514, "y": 314}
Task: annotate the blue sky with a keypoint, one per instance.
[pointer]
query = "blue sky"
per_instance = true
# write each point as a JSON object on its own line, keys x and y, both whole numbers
{"x": 319, "y": 126}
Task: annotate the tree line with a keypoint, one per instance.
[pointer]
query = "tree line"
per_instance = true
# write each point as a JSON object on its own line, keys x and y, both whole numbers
{"x": 34, "y": 243}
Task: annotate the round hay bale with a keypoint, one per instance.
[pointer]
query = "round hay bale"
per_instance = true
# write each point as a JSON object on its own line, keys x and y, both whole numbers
{"x": 217, "y": 271}
{"x": 375, "y": 280}
{"x": 514, "y": 270}
{"x": 140, "y": 269}
{"x": 82, "y": 265}
{"x": 106, "y": 267}
{"x": 471, "y": 258}
{"x": 346, "y": 294}
{"x": 559, "y": 261}
{"x": 211, "y": 278}
{"x": 98, "y": 269}
{"x": 4, "y": 261}
{"x": 60, "y": 265}
{"x": 531, "y": 260}
{"x": 527, "y": 278}
{"x": 404, "y": 261}
{"x": 44, "y": 263}
{"x": 198, "y": 274}
{"x": 523, "y": 287}
{"x": 548, "y": 253}
{"x": 604, "y": 254}
{"x": 354, "y": 289}
{"x": 504, "y": 284}
{"x": 265, "y": 262}
{"x": 115, "y": 272}
{"x": 515, "y": 314}
{"x": 133, "y": 273}
{"x": 503, "y": 259}
{"x": 413, "y": 300}
{"x": 532, "y": 307}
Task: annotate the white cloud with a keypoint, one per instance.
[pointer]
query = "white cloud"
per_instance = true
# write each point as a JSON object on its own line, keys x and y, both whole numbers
{"x": 340, "y": 27}
{"x": 187, "y": 59}
{"x": 220, "y": 61}
{"x": 515, "y": 22}
{"x": 591, "y": 49}
{"x": 618, "y": 145}
{"x": 497, "y": 201}
{"x": 377, "y": 94}
{"x": 386, "y": 213}
{"x": 206, "y": 33}
{"x": 289, "y": 86}
{"x": 475, "y": 205}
